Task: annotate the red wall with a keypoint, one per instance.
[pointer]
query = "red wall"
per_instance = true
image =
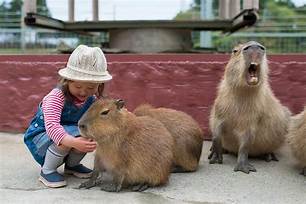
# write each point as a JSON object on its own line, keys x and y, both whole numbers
{"x": 185, "y": 82}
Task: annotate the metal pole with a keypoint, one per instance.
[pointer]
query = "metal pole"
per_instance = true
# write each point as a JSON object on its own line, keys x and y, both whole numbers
{"x": 29, "y": 6}
{"x": 251, "y": 4}
{"x": 234, "y": 8}
{"x": 71, "y": 10}
{"x": 206, "y": 13}
{"x": 95, "y": 10}
{"x": 224, "y": 9}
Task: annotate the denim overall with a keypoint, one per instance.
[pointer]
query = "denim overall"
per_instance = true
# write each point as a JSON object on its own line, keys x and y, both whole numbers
{"x": 36, "y": 137}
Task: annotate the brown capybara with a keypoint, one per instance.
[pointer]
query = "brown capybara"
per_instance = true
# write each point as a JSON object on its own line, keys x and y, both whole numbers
{"x": 297, "y": 138}
{"x": 135, "y": 151}
{"x": 187, "y": 134}
{"x": 246, "y": 117}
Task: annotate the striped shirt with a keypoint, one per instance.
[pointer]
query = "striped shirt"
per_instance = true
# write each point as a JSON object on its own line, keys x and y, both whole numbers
{"x": 52, "y": 106}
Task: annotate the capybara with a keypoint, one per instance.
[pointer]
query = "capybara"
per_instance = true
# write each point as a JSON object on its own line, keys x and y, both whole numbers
{"x": 297, "y": 138}
{"x": 246, "y": 117}
{"x": 187, "y": 134}
{"x": 136, "y": 151}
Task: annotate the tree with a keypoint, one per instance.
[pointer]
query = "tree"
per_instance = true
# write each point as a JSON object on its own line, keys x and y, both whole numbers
{"x": 275, "y": 16}
{"x": 15, "y": 6}
{"x": 42, "y": 8}
{"x": 3, "y": 7}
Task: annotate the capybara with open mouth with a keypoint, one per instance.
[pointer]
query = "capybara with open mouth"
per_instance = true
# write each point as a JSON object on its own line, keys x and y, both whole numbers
{"x": 187, "y": 134}
{"x": 297, "y": 138}
{"x": 246, "y": 117}
{"x": 136, "y": 151}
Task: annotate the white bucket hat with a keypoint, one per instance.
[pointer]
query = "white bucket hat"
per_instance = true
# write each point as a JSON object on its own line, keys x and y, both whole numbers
{"x": 86, "y": 64}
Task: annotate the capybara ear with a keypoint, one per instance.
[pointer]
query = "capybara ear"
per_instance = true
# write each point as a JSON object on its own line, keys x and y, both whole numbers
{"x": 119, "y": 103}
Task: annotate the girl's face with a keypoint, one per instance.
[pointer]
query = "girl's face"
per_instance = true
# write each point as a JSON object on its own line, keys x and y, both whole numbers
{"x": 82, "y": 90}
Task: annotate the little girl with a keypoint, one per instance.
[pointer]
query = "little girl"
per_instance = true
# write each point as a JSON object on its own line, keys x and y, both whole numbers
{"x": 53, "y": 137}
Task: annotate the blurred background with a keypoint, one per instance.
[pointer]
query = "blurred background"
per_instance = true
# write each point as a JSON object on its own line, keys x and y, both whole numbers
{"x": 281, "y": 26}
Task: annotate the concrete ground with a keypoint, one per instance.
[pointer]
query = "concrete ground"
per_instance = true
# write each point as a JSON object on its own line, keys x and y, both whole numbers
{"x": 274, "y": 182}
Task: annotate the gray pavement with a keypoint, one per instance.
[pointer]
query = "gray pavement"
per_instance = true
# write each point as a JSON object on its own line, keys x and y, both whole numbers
{"x": 274, "y": 182}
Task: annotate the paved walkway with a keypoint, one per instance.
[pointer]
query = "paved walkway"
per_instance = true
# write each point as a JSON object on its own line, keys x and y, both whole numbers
{"x": 275, "y": 182}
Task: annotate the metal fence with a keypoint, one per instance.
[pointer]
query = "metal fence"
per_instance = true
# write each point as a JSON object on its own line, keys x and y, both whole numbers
{"x": 278, "y": 42}
{"x": 17, "y": 38}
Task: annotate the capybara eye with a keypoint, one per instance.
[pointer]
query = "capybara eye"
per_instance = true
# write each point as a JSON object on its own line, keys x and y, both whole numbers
{"x": 262, "y": 47}
{"x": 235, "y": 51}
{"x": 104, "y": 112}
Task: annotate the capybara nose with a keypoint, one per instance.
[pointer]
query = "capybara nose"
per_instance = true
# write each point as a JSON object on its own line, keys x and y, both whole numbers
{"x": 254, "y": 47}
{"x": 253, "y": 52}
{"x": 82, "y": 126}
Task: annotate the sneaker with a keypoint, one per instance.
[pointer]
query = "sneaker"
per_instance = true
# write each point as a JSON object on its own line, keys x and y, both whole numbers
{"x": 52, "y": 180}
{"x": 79, "y": 171}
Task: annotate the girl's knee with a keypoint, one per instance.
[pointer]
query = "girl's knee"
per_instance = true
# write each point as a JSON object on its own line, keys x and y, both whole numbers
{"x": 64, "y": 148}
{"x": 77, "y": 151}
{"x": 60, "y": 149}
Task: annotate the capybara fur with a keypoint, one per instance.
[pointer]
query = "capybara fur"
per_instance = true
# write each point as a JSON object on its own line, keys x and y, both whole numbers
{"x": 187, "y": 134}
{"x": 246, "y": 117}
{"x": 136, "y": 151}
{"x": 297, "y": 138}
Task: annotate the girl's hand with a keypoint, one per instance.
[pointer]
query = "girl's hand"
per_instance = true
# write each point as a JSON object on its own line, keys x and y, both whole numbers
{"x": 84, "y": 145}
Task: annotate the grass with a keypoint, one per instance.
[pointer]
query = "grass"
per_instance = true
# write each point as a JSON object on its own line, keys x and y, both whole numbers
{"x": 27, "y": 51}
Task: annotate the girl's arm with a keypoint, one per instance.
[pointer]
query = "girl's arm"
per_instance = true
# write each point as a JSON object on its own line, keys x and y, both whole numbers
{"x": 52, "y": 107}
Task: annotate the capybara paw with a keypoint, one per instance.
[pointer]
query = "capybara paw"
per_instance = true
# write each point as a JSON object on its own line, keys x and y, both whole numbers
{"x": 245, "y": 167}
{"x": 140, "y": 187}
{"x": 215, "y": 157}
{"x": 88, "y": 184}
{"x": 269, "y": 157}
{"x": 303, "y": 171}
{"x": 109, "y": 187}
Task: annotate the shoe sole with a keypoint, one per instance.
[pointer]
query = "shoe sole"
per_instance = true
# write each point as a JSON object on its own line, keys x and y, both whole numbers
{"x": 77, "y": 174}
{"x": 52, "y": 184}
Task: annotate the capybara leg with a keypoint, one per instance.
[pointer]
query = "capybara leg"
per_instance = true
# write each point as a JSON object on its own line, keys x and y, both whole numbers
{"x": 114, "y": 186}
{"x": 303, "y": 171}
{"x": 269, "y": 157}
{"x": 215, "y": 155}
{"x": 93, "y": 181}
{"x": 216, "y": 149}
{"x": 243, "y": 161}
{"x": 225, "y": 151}
{"x": 140, "y": 187}
{"x": 244, "y": 166}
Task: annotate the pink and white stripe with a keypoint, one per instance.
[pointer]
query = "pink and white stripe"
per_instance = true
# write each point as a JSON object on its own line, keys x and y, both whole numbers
{"x": 52, "y": 107}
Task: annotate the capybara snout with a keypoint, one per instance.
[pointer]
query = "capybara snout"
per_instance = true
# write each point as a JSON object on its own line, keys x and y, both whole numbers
{"x": 82, "y": 126}
{"x": 253, "y": 53}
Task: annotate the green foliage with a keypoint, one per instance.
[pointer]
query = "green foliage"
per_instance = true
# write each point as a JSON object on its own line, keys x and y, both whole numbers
{"x": 279, "y": 9}
{"x": 3, "y": 7}
{"x": 190, "y": 14}
{"x": 276, "y": 16}
{"x": 15, "y": 6}
{"x": 42, "y": 8}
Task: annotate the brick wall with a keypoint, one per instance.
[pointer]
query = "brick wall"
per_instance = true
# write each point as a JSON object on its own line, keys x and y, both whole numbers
{"x": 185, "y": 82}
